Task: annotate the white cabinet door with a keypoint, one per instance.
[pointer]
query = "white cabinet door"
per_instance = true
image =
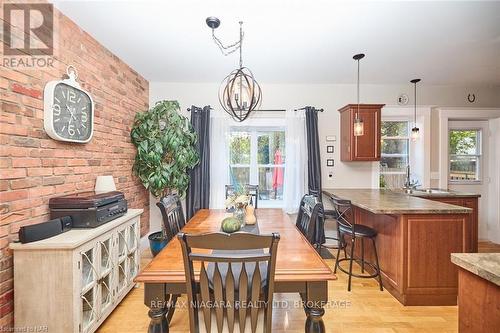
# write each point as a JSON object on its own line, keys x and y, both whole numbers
{"x": 89, "y": 263}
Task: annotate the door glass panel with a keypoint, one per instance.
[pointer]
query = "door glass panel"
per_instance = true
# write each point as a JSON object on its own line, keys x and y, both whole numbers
{"x": 105, "y": 290}
{"x": 132, "y": 265}
{"x": 240, "y": 175}
{"x": 271, "y": 147}
{"x": 271, "y": 183}
{"x": 122, "y": 246}
{"x": 88, "y": 268}
{"x": 88, "y": 309}
{"x": 132, "y": 238}
{"x": 239, "y": 152}
{"x": 105, "y": 256}
{"x": 122, "y": 276}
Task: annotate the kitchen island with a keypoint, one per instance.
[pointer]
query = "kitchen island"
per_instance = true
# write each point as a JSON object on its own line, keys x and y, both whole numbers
{"x": 415, "y": 239}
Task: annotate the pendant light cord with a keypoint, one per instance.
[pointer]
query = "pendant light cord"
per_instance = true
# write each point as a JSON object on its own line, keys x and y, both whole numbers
{"x": 357, "y": 114}
{"x": 241, "y": 42}
{"x": 415, "y": 107}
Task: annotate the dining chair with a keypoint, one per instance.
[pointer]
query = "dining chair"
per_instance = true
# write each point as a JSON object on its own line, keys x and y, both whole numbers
{"x": 173, "y": 222}
{"x": 172, "y": 214}
{"x": 252, "y": 190}
{"x": 328, "y": 215}
{"x": 346, "y": 223}
{"x": 309, "y": 218}
{"x": 236, "y": 281}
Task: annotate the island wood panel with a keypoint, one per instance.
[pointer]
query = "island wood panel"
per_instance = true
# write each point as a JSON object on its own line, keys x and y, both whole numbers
{"x": 469, "y": 202}
{"x": 478, "y": 304}
{"x": 414, "y": 254}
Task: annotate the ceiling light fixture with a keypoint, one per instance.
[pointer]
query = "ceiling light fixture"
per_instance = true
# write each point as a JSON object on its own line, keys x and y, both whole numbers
{"x": 415, "y": 131}
{"x": 358, "y": 122}
{"x": 239, "y": 93}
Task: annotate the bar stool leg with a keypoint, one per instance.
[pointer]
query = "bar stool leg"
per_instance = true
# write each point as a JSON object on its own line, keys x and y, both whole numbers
{"x": 362, "y": 254}
{"x": 338, "y": 255}
{"x": 378, "y": 267}
{"x": 353, "y": 242}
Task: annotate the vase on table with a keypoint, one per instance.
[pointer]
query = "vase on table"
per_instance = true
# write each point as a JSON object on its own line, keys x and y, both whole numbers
{"x": 239, "y": 214}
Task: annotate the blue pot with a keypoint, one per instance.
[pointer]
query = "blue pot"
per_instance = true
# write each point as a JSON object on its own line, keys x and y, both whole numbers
{"x": 156, "y": 242}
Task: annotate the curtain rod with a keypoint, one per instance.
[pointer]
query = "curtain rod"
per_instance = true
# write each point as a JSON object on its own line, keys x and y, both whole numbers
{"x": 264, "y": 110}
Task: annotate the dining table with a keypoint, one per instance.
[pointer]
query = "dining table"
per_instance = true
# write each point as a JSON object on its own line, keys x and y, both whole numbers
{"x": 299, "y": 268}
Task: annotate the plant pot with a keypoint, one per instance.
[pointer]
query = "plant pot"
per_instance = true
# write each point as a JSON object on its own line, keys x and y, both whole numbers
{"x": 156, "y": 242}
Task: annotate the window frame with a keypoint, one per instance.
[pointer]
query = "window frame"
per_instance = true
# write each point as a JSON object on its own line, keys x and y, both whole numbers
{"x": 407, "y": 138}
{"x": 254, "y": 166}
{"x": 478, "y": 155}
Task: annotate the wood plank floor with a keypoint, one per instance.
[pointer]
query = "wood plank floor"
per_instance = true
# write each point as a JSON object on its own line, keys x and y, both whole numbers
{"x": 365, "y": 309}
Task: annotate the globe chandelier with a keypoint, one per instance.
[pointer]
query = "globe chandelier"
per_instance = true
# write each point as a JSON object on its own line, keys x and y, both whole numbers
{"x": 239, "y": 92}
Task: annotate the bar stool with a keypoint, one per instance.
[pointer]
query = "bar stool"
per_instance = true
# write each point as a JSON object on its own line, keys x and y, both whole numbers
{"x": 346, "y": 226}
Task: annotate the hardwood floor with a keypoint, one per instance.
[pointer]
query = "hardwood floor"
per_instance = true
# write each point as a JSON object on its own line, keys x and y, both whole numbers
{"x": 365, "y": 309}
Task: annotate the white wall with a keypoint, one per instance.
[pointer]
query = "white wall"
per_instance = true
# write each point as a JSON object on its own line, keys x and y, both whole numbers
{"x": 330, "y": 97}
{"x": 493, "y": 230}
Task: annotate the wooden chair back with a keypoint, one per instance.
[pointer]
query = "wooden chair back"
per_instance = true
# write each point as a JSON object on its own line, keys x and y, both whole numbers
{"x": 235, "y": 260}
{"x": 252, "y": 190}
{"x": 172, "y": 214}
{"x": 310, "y": 211}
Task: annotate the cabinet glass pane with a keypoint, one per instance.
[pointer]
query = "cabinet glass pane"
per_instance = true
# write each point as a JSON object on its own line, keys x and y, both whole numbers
{"x": 132, "y": 237}
{"x": 88, "y": 268}
{"x": 105, "y": 290}
{"x": 122, "y": 276}
{"x": 88, "y": 309}
{"x": 122, "y": 248}
{"x": 132, "y": 265}
{"x": 105, "y": 255}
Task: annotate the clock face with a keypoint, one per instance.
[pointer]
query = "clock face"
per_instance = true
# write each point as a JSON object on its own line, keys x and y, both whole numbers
{"x": 71, "y": 113}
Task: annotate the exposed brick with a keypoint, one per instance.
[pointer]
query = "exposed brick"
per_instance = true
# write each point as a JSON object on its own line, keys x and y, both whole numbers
{"x": 12, "y": 173}
{"x": 26, "y": 162}
{"x": 25, "y": 183}
{"x": 25, "y": 142}
{"x": 5, "y": 162}
{"x": 13, "y": 195}
{"x": 35, "y": 93}
{"x": 55, "y": 180}
{"x": 32, "y": 172}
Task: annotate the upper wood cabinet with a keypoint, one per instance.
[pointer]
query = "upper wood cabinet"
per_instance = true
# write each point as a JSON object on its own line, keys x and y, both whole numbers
{"x": 367, "y": 146}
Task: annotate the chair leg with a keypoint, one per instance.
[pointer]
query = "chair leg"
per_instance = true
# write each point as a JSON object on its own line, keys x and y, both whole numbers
{"x": 338, "y": 255}
{"x": 362, "y": 255}
{"x": 353, "y": 242}
{"x": 378, "y": 267}
{"x": 171, "y": 309}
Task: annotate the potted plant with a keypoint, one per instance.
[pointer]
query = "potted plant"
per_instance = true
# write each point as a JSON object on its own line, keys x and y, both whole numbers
{"x": 166, "y": 152}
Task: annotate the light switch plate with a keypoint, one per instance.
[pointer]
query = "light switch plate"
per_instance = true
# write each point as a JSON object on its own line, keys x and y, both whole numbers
{"x": 331, "y": 138}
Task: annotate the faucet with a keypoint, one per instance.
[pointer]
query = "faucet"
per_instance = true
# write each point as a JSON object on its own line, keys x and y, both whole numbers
{"x": 409, "y": 185}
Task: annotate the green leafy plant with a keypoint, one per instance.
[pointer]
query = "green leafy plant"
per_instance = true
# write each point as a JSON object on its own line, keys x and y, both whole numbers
{"x": 166, "y": 149}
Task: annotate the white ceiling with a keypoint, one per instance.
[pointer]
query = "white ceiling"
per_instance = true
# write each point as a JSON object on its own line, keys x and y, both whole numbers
{"x": 452, "y": 43}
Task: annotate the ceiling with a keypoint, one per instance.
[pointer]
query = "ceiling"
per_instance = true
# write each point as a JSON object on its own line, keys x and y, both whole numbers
{"x": 448, "y": 43}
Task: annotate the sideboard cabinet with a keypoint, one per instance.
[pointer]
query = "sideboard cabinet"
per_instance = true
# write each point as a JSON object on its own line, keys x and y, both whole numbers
{"x": 367, "y": 146}
{"x": 72, "y": 282}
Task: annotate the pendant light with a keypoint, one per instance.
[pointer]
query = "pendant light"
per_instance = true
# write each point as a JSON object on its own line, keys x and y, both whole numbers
{"x": 358, "y": 122}
{"x": 415, "y": 131}
{"x": 239, "y": 93}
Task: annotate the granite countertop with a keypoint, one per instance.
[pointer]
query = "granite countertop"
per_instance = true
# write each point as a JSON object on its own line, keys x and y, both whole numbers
{"x": 485, "y": 265}
{"x": 380, "y": 201}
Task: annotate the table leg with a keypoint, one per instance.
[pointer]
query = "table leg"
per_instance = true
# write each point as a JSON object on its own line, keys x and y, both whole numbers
{"x": 155, "y": 300}
{"x": 317, "y": 296}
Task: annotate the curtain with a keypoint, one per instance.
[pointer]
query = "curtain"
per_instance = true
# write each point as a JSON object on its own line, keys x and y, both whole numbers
{"x": 219, "y": 176}
{"x": 295, "y": 185}
{"x": 198, "y": 193}
{"x": 313, "y": 155}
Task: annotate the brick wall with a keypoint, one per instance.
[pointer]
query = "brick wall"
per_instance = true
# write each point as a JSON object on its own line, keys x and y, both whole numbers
{"x": 33, "y": 167}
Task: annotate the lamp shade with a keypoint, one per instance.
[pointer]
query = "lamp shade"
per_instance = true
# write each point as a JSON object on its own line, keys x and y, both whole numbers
{"x": 104, "y": 184}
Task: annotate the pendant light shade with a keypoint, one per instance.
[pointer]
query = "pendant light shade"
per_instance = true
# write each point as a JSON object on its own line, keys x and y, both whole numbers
{"x": 415, "y": 131}
{"x": 359, "y": 127}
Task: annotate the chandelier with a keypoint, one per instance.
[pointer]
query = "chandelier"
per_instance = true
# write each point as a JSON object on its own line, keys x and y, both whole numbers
{"x": 239, "y": 93}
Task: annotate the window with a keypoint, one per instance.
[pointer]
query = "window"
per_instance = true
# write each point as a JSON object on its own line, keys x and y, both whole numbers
{"x": 465, "y": 155}
{"x": 257, "y": 156}
{"x": 395, "y": 153}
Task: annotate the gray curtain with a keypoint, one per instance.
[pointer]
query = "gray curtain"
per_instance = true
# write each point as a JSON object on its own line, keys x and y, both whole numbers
{"x": 314, "y": 165}
{"x": 313, "y": 156}
{"x": 198, "y": 193}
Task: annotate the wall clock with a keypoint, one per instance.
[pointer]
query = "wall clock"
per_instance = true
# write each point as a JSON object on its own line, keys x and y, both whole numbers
{"x": 68, "y": 111}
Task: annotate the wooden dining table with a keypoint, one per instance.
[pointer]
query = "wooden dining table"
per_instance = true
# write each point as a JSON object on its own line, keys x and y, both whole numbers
{"x": 299, "y": 268}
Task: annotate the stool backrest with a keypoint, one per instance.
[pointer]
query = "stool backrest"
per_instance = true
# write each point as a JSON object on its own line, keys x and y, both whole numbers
{"x": 345, "y": 214}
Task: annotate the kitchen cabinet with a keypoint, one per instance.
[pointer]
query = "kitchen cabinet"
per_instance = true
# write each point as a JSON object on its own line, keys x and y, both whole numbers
{"x": 367, "y": 146}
